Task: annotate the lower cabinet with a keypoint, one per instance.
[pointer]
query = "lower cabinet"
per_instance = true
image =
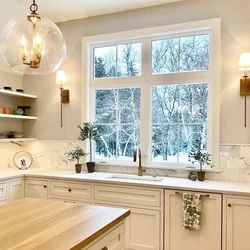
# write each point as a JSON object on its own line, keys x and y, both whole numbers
{"x": 2, "y": 202}
{"x": 113, "y": 240}
{"x": 209, "y": 235}
{"x": 143, "y": 230}
{"x": 236, "y": 223}
{"x": 16, "y": 190}
{"x": 36, "y": 189}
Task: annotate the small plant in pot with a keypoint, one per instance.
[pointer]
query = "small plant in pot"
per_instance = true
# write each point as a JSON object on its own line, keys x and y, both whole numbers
{"x": 75, "y": 155}
{"x": 90, "y": 132}
{"x": 203, "y": 158}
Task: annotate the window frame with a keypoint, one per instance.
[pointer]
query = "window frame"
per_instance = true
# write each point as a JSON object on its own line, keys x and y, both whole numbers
{"x": 147, "y": 79}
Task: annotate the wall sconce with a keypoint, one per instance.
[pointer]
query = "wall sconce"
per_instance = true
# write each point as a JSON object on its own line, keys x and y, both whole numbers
{"x": 244, "y": 65}
{"x": 61, "y": 79}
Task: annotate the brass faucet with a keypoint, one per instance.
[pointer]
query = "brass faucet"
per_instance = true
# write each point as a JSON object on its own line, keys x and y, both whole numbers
{"x": 140, "y": 169}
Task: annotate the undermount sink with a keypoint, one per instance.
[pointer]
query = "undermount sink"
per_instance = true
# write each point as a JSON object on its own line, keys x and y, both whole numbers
{"x": 136, "y": 178}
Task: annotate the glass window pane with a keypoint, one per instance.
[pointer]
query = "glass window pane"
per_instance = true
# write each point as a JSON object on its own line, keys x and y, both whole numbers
{"x": 165, "y": 104}
{"x": 105, "y": 106}
{"x": 165, "y": 56}
{"x": 129, "y": 59}
{"x": 128, "y": 140}
{"x": 129, "y": 100}
{"x": 193, "y": 103}
{"x": 118, "y": 111}
{"x": 193, "y": 138}
{"x": 165, "y": 143}
{"x": 105, "y": 62}
{"x": 106, "y": 147}
{"x": 179, "y": 121}
{"x": 194, "y": 53}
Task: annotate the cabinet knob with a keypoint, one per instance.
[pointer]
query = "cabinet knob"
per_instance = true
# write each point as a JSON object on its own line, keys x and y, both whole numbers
{"x": 69, "y": 190}
{"x": 105, "y": 248}
{"x": 229, "y": 205}
{"x": 45, "y": 186}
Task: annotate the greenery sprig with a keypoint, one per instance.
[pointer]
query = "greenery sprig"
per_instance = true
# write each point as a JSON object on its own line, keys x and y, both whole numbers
{"x": 76, "y": 154}
{"x": 202, "y": 157}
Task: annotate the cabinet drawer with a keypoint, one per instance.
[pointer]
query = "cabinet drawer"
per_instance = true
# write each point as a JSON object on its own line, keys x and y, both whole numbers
{"x": 3, "y": 190}
{"x": 2, "y": 202}
{"x": 135, "y": 196}
{"x": 37, "y": 189}
{"x": 70, "y": 201}
{"x": 111, "y": 241}
{"x": 16, "y": 190}
{"x": 70, "y": 190}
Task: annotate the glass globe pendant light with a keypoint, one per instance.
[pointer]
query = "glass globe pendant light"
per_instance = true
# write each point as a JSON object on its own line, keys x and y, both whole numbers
{"x": 33, "y": 45}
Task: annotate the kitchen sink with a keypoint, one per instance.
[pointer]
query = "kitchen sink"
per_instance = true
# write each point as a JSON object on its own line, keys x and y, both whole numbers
{"x": 136, "y": 178}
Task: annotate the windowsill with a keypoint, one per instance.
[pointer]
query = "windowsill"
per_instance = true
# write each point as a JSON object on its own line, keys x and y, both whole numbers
{"x": 155, "y": 166}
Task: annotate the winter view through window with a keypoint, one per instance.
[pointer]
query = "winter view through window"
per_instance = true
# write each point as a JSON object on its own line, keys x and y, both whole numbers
{"x": 178, "y": 113}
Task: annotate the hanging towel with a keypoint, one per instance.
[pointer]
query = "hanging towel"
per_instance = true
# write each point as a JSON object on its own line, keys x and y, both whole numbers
{"x": 191, "y": 211}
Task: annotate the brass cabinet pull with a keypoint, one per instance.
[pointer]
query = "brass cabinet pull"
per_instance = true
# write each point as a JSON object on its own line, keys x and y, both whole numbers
{"x": 69, "y": 190}
{"x": 105, "y": 248}
{"x": 45, "y": 186}
{"x": 229, "y": 205}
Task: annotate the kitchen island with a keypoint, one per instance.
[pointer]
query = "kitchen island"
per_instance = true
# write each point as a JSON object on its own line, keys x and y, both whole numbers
{"x": 42, "y": 224}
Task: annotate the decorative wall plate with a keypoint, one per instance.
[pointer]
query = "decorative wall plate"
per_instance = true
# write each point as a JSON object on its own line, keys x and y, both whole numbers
{"x": 23, "y": 160}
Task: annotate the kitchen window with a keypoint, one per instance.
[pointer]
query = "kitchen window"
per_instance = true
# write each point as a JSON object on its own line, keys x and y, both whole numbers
{"x": 154, "y": 89}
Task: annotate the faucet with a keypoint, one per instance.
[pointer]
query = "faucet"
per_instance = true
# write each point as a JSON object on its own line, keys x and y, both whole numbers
{"x": 140, "y": 169}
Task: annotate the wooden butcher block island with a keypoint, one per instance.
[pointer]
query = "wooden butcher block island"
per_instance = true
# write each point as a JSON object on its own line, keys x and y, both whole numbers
{"x": 51, "y": 225}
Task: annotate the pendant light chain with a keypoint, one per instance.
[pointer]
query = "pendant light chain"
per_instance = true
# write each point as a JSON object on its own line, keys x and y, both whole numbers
{"x": 34, "y": 7}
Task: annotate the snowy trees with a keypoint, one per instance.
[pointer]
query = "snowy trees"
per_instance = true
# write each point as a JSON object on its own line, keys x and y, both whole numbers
{"x": 179, "y": 111}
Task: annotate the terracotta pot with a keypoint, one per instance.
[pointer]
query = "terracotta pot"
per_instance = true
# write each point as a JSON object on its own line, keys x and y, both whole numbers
{"x": 91, "y": 167}
{"x": 201, "y": 175}
{"x": 78, "y": 168}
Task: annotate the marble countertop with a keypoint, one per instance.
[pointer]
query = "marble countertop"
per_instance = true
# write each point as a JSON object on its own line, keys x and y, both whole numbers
{"x": 225, "y": 187}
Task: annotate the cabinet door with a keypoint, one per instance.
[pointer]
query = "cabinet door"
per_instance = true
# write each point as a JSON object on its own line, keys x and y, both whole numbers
{"x": 16, "y": 189}
{"x": 143, "y": 229}
{"x": 207, "y": 238}
{"x": 36, "y": 189}
{"x": 236, "y": 223}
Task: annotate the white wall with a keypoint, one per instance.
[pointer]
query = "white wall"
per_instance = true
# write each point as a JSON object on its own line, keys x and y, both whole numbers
{"x": 235, "y": 39}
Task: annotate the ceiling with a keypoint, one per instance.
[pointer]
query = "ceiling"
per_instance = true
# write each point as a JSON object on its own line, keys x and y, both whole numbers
{"x": 64, "y": 10}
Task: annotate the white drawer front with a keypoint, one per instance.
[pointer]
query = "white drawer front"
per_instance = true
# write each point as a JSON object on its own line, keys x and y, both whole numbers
{"x": 70, "y": 190}
{"x": 3, "y": 190}
{"x": 16, "y": 190}
{"x": 135, "y": 196}
{"x": 70, "y": 201}
{"x": 112, "y": 241}
{"x": 2, "y": 202}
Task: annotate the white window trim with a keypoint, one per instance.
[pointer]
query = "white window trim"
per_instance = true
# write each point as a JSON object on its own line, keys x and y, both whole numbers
{"x": 212, "y": 76}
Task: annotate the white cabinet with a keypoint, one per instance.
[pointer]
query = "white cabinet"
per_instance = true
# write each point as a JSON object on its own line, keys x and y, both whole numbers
{"x": 207, "y": 238}
{"x": 236, "y": 223}
{"x": 36, "y": 189}
{"x": 143, "y": 230}
{"x": 16, "y": 189}
{"x": 3, "y": 190}
{"x": 113, "y": 240}
{"x": 2, "y": 202}
{"x": 144, "y": 227}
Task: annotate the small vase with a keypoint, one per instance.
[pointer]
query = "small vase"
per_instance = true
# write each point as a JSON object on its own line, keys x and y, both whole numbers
{"x": 78, "y": 168}
{"x": 91, "y": 167}
{"x": 201, "y": 175}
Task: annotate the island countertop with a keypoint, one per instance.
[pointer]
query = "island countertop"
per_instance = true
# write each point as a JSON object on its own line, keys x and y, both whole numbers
{"x": 42, "y": 224}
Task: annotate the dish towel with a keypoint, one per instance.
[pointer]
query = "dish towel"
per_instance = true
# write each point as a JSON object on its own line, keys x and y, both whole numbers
{"x": 191, "y": 211}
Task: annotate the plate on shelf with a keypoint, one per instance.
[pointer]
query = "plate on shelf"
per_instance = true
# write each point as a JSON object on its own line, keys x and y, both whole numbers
{"x": 23, "y": 160}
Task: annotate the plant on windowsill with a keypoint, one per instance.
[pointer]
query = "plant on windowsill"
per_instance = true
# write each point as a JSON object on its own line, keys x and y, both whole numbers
{"x": 75, "y": 155}
{"x": 90, "y": 132}
{"x": 203, "y": 158}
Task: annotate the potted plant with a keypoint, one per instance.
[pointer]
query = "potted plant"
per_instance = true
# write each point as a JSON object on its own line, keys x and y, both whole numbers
{"x": 91, "y": 132}
{"x": 203, "y": 158}
{"x": 75, "y": 155}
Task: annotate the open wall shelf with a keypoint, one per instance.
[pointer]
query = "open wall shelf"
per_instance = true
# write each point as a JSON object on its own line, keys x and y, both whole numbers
{"x": 17, "y": 140}
{"x": 22, "y": 117}
{"x": 16, "y": 94}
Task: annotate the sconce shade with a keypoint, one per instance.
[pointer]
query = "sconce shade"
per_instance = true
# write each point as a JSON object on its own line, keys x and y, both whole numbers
{"x": 244, "y": 63}
{"x": 61, "y": 77}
